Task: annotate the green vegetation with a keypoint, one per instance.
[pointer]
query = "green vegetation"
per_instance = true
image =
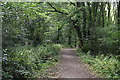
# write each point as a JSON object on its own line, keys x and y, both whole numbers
{"x": 33, "y": 32}
{"x": 106, "y": 66}
{"x": 28, "y": 61}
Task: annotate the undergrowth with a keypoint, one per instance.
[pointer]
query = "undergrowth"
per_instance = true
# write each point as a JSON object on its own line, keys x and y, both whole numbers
{"x": 28, "y": 61}
{"x": 106, "y": 66}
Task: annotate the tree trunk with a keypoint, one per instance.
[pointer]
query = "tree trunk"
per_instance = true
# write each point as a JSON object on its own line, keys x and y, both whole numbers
{"x": 79, "y": 35}
{"x": 90, "y": 21}
{"x": 102, "y": 13}
{"x": 58, "y": 36}
{"x": 109, "y": 8}
{"x": 69, "y": 37}
{"x": 118, "y": 8}
{"x": 75, "y": 42}
{"x": 84, "y": 21}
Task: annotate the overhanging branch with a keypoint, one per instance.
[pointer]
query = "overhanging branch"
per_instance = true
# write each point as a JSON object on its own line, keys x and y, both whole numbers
{"x": 55, "y": 10}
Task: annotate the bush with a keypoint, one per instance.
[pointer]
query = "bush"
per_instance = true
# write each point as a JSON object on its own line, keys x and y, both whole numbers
{"x": 107, "y": 66}
{"x": 86, "y": 48}
{"x": 25, "y": 61}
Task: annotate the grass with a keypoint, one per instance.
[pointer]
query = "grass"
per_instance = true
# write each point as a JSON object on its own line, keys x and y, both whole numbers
{"x": 105, "y": 66}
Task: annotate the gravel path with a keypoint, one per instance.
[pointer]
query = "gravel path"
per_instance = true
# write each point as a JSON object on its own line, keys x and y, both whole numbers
{"x": 71, "y": 67}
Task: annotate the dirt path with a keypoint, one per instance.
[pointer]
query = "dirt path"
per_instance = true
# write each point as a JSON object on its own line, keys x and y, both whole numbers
{"x": 71, "y": 67}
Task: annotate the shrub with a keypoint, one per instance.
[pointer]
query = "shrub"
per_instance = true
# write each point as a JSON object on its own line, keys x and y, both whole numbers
{"x": 86, "y": 48}
{"x": 107, "y": 66}
{"x": 25, "y": 61}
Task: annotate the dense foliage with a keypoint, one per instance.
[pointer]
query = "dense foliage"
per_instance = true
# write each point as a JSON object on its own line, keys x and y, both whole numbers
{"x": 31, "y": 30}
{"x": 106, "y": 66}
{"x": 28, "y": 61}
{"x": 91, "y": 26}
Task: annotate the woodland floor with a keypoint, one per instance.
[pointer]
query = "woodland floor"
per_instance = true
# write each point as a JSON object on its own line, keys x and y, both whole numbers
{"x": 70, "y": 66}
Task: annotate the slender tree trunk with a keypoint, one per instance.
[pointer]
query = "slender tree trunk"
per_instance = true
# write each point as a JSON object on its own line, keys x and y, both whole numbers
{"x": 69, "y": 37}
{"x": 94, "y": 24}
{"x": 84, "y": 21}
{"x": 102, "y": 14}
{"x": 58, "y": 36}
{"x": 79, "y": 35}
{"x": 95, "y": 8}
{"x": 90, "y": 21}
{"x": 109, "y": 8}
{"x": 75, "y": 42}
{"x": 118, "y": 8}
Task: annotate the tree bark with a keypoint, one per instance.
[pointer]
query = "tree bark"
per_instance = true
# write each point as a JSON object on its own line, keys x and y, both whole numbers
{"x": 58, "y": 36}
{"x": 109, "y": 8}
{"x": 79, "y": 35}
{"x": 84, "y": 21}
{"x": 90, "y": 21}
{"x": 118, "y": 8}
{"x": 102, "y": 14}
{"x": 69, "y": 37}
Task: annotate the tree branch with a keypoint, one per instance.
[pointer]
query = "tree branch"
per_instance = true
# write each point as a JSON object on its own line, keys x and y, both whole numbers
{"x": 73, "y": 3}
{"x": 55, "y": 10}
